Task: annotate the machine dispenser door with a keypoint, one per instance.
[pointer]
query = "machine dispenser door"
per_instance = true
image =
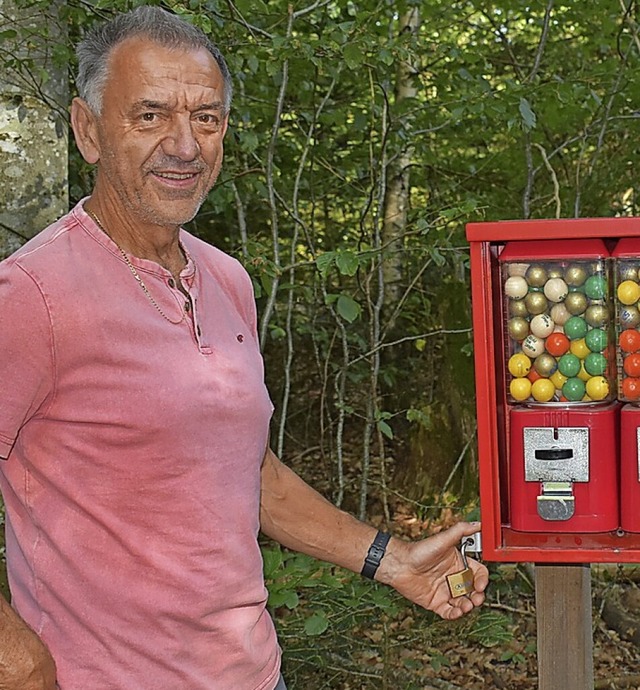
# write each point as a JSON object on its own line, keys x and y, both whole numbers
{"x": 556, "y": 458}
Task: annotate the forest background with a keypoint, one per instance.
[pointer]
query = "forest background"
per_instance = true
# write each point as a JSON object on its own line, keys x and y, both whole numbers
{"x": 363, "y": 136}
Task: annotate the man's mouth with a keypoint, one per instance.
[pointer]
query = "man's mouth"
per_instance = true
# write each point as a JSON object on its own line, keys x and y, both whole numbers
{"x": 176, "y": 176}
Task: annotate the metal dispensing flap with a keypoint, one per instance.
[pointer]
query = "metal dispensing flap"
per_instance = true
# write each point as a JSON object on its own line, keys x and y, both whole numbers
{"x": 556, "y": 455}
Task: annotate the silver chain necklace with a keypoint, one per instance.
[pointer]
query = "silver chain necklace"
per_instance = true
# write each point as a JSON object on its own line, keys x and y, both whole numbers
{"x": 133, "y": 270}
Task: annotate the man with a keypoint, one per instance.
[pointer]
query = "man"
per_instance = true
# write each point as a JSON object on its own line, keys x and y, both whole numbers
{"x": 134, "y": 417}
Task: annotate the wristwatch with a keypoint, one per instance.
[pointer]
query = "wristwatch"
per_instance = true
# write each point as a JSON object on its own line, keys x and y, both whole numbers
{"x": 375, "y": 554}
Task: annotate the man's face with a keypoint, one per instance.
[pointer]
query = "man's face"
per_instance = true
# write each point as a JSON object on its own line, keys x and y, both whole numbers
{"x": 160, "y": 131}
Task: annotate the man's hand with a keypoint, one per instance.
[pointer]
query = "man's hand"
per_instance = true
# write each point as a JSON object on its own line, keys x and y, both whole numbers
{"x": 25, "y": 662}
{"x": 418, "y": 570}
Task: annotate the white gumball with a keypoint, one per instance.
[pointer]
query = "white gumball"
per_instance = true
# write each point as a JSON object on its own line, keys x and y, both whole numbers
{"x": 515, "y": 287}
{"x": 542, "y": 325}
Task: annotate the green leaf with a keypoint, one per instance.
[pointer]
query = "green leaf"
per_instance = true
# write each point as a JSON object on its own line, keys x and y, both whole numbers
{"x": 348, "y": 308}
{"x": 353, "y": 55}
{"x": 527, "y": 114}
{"x": 324, "y": 261}
{"x": 385, "y": 429}
{"x": 272, "y": 559}
{"x": 347, "y": 263}
{"x": 316, "y": 624}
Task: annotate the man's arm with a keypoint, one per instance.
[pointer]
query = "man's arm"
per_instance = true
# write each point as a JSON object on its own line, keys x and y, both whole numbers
{"x": 299, "y": 518}
{"x": 25, "y": 662}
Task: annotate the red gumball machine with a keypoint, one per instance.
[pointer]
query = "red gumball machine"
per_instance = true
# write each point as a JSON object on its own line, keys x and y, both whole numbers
{"x": 627, "y": 323}
{"x": 563, "y": 429}
{"x": 546, "y": 387}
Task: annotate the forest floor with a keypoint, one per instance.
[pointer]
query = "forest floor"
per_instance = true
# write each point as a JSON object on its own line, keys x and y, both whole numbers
{"x": 492, "y": 648}
{"x": 405, "y": 648}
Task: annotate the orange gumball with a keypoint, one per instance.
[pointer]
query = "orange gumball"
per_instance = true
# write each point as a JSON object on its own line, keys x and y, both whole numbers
{"x": 629, "y": 340}
{"x": 557, "y": 344}
{"x": 631, "y": 388}
{"x": 631, "y": 365}
{"x": 533, "y": 375}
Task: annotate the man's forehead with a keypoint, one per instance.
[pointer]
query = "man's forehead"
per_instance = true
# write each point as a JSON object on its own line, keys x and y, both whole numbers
{"x": 141, "y": 58}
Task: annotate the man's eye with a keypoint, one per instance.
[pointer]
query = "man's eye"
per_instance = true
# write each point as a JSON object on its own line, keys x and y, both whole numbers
{"x": 208, "y": 119}
{"x": 148, "y": 117}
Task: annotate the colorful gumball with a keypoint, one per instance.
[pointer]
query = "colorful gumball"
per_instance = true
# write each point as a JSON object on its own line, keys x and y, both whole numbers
{"x": 520, "y": 389}
{"x": 575, "y": 328}
{"x": 558, "y": 379}
{"x": 518, "y": 328}
{"x": 629, "y": 340}
{"x": 536, "y": 303}
{"x": 631, "y": 365}
{"x": 555, "y": 289}
{"x": 560, "y": 314}
{"x": 517, "y": 307}
{"x": 573, "y": 389}
{"x": 533, "y": 375}
{"x": 569, "y": 365}
{"x": 580, "y": 348}
{"x": 597, "y": 315}
{"x": 557, "y": 344}
{"x": 536, "y": 275}
{"x": 629, "y": 317}
{"x": 583, "y": 374}
{"x": 576, "y": 303}
{"x": 532, "y": 346}
{"x": 515, "y": 287}
{"x": 519, "y": 365}
{"x": 628, "y": 292}
{"x": 597, "y": 388}
{"x": 631, "y": 388}
{"x": 595, "y": 287}
{"x": 545, "y": 365}
{"x": 596, "y": 339}
{"x": 575, "y": 275}
{"x": 595, "y": 363}
{"x": 543, "y": 390}
{"x": 542, "y": 325}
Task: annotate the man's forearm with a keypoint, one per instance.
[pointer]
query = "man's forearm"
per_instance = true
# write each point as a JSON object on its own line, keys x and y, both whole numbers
{"x": 299, "y": 518}
{"x": 25, "y": 662}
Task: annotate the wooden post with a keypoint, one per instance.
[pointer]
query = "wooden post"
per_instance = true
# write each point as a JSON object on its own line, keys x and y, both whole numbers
{"x": 565, "y": 637}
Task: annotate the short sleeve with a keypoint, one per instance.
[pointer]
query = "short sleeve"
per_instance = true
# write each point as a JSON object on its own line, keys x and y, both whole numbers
{"x": 26, "y": 352}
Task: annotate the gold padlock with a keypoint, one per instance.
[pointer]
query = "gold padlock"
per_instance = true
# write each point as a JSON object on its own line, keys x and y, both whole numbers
{"x": 461, "y": 584}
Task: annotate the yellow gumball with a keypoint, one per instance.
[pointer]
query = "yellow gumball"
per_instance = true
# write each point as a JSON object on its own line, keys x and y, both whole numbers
{"x": 558, "y": 379}
{"x": 583, "y": 373}
{"x": 597, "y": 388}
{"x": 519, "y": 365}
{"x": 580, "y": 348}
{"x": 543, "y": 390}
{"x": 520, "y": 388}
{"x": 628, "y": 292}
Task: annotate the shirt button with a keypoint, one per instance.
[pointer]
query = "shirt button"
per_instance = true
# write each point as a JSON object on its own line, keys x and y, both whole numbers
{"x": 172, "y": 283}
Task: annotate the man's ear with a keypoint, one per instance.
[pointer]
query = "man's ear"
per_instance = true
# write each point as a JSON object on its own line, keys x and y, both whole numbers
{"x": 85, "y": 130}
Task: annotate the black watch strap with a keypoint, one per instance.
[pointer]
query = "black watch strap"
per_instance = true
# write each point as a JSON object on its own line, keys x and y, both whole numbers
{"x": 375, "y": 554}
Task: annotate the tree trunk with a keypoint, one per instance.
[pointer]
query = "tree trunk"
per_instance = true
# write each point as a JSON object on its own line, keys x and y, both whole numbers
{"x": 398, "y": 178}
{"x": 33, "y": 128}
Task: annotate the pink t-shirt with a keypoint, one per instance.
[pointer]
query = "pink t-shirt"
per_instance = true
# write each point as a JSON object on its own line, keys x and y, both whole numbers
{"x": 133, "y": 451}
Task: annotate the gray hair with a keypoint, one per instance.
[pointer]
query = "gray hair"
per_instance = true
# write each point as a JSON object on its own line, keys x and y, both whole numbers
{"x": 147, "y": 21}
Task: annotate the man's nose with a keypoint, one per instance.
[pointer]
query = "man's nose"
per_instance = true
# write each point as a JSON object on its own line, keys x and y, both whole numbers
{"x": 180, "y": 140}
